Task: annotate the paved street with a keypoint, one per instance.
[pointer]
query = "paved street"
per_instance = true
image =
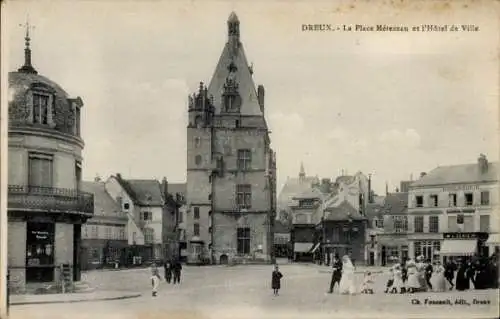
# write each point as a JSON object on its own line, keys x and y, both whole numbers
{"x": 244, "y": 292}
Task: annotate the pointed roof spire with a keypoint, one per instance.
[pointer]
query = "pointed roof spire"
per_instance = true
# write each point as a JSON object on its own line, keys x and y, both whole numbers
{"x": 386, "y": 188}
{"x": 27, "y": 67}
{"x": 302, "y": 172}
{"x": 233, "y": 17}
{"x": 233, "y": 28}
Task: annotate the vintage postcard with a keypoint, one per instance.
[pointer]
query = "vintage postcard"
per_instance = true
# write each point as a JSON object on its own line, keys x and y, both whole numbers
{"x": 250, "y": 159}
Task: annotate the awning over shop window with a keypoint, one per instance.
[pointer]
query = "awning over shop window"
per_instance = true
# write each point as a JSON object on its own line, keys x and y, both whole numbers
{"x": 458, "y": 247}
{"x": 315, "y": 247}
{"x": 493, "y": 239}
{"x": 302, "y": 247}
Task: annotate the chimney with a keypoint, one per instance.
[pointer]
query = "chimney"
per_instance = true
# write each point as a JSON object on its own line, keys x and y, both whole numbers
{"x": 423, "y": 174}
{"x": 370, "y": 196}
{"x": 260, "y": 97}
{"x": 97, "y": 178}
{"x": 119, "y": 176}
{"x": 405, "y": 186}
{"x": 164, "y": 187}
{"x": 482, "y": 161}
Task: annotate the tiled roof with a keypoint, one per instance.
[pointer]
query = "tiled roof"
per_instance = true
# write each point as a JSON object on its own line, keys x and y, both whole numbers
{"x": 466, "y": 173}
{"x": 396, "y": 203}
{"x": 343, "y": 211}
{"x": 293, "y": 187}
{"x": 180, "y": 188}
{"x": 347, "y": 179}
{"x": 281, "y": 227}
{"x": 310, "y": 193}
{"x": 246, "y": 85}
{"x": 144, "y": 192}
{"x": 103, "y": 202}
{"x": 374, "y": 210}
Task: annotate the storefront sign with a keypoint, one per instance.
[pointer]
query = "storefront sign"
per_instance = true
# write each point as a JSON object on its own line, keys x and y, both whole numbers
{"x": 460, "y": 188}
{"x": 461, "y": 235}
{"x": 40, "y": 235}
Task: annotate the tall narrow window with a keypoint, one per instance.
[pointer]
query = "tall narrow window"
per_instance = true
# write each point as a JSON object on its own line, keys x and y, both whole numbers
{"x": 243, "y": 240}
{"x": 78, "y": 174}
{"x": 196, "y": 229}
{"x": 196, "y": 212}
{"x": 433, "y": 224}
{"x": 419, "y": 201}
{"x": 453, "y": 200}
{"x": 40, "y": 170}
{"x": 40, "y": 108}
{"x": 244, "y": 159}
{"x": 469, "y": 199}
{"x": 434, "y": 200}
{"x": 419, "y": 224}
{"x": 485, "y": 198}
{"x": 244, "y": 196}
{"x": 77, "y": 121}
{"x": 484, "y": 223}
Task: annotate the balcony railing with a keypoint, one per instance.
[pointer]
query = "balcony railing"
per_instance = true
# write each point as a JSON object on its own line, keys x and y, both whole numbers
{"x": 26, "y": 197}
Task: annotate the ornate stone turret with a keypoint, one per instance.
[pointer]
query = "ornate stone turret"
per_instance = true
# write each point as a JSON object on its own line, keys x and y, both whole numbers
{"x": 201, "y": 107}
{"x": 27, "y": 67}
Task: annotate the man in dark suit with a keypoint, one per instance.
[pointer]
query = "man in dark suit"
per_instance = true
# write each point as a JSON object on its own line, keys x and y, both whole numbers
{"x": 337, "y": 272}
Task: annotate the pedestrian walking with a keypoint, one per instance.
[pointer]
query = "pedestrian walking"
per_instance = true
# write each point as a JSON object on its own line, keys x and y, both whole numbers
{"x": 438, "y": 280}
{"x": 276, "y": 280}
{"x": 337, "y": 273}
{"x": 397, "y": 285}
{"x": 168, "y": 271}
{"x": 449, "y": 272}
{"x": 177, "y": 269}
{"x": 428, "y": 273}
{"x": 390, "y": 280}
{"x": 155, "y": 279}
{"x": 367, "y": 287}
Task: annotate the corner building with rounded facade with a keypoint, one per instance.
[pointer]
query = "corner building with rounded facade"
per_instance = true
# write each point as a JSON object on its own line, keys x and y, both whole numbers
{"x": 231, "y": 170}
{"x": 46, "y": 207}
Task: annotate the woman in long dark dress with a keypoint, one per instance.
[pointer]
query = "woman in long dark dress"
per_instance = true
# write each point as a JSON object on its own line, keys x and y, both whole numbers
{"x": 462, "y": 280}
{"x": 276, "y": 280}
{"x": 168, "y": 271}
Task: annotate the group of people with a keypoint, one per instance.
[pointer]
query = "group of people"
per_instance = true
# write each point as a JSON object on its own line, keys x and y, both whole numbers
{"x": 411, "y": 276}
{"x": 418, "y": 276}
{"x": 172, "y": 271}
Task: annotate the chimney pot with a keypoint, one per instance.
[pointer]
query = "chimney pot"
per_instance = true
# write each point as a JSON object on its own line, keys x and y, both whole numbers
{"x": 423, "y": 174}
{"x": 483, "y": 163}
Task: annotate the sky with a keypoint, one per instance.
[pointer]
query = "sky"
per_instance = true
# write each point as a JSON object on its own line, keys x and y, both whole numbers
{"x": 392, "y": 104}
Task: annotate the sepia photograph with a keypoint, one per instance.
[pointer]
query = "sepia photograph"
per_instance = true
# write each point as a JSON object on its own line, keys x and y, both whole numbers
{"x": 249, "y": 159}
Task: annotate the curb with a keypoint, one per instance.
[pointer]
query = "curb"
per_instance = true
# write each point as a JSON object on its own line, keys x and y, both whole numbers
{"x": 20, "y": 303}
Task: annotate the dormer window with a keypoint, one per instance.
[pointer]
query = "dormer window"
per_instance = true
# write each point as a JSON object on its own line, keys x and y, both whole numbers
{"x": 41, "y": 104}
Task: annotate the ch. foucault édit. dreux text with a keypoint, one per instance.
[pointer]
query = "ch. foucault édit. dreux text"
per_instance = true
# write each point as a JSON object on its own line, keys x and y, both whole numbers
{"x": 389, "y": 28}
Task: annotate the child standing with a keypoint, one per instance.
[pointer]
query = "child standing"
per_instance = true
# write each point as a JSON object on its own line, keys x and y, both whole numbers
{"x": 276, "y": 280}
{"x": 155, "y": 279}
{"x": 390, "y": 281}
{"x": 367, "y": 287}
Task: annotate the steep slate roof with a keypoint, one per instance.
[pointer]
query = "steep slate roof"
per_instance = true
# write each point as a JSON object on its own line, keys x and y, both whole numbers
{"x": 145, "y": 192}
{"x": 103, "y": 202}
{"x": 292, "y": 187}
{"x": 374, "y": 210}
{"x": 343, "y": 211}
{"x": 180, "y": 188}
{"x": 310, "y": 193}
{"x": 465, "y": 173}
{"x": 396, "y": 204}
{"x": 347, "y": 179}
{"x": 280, "y": 227}
{"x": 246, "y": 85}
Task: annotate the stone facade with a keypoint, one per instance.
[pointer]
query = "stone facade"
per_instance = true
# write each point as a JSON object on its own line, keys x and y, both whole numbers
{"x": 228, "y": 149}
{"x": 46, "y": 205}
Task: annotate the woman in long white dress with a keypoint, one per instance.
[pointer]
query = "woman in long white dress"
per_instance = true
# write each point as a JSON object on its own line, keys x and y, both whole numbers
{"x": 347, "y": 285}
{"x": 413, "y": 284}
{"x": 398, "y": 284}
{"x": 437, "y": 280}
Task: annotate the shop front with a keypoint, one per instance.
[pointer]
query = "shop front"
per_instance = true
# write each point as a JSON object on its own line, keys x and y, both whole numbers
{"x": 464, "y": 245}
{"x": 493, "y": 243}
{"x": 393, "y": 248}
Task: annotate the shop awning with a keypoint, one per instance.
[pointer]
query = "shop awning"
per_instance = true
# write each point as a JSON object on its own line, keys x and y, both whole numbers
{"x": 493, "y": 239}
{"x": 302, "y": 247}
{"x": 315, "y": 247}
{"x": 458, "y": 247}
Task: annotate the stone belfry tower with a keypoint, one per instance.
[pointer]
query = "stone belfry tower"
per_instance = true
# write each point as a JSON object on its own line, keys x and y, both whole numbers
{"x": 231, "y": 168}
